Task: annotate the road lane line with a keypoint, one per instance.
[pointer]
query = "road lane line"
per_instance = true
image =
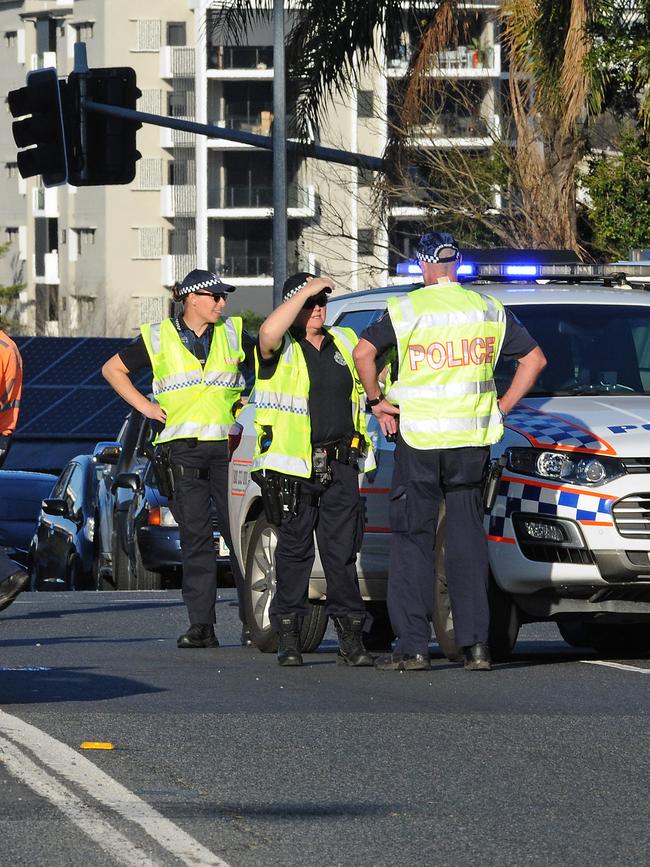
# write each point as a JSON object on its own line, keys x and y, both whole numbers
{"x": 76, "y": 768}
{"x": 619, "y": 665}
{"x": 80, "y": 814}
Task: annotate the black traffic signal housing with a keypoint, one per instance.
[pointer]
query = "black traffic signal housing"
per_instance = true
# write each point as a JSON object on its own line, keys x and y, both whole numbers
{"x": 101, "y": 148}
{"x": 42, "y": 133}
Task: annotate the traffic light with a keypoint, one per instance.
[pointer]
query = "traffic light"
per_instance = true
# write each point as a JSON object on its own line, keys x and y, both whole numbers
{"x": 101, "y": 148}
{"x": 42, "y": 133}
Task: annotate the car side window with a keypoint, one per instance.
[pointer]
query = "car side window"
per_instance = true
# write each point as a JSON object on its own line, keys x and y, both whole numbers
{"x": 74, "y": 489}
{"x": 58, "y": 491}
{"x": 357, "y": 320}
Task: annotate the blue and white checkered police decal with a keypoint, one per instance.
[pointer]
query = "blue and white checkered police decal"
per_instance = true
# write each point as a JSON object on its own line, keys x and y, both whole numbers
{"x": 585, "y": 507}
{"x": 542, "y": 430}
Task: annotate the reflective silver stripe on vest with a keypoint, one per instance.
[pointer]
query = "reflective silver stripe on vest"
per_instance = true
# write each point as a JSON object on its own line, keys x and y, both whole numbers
{"x": 277, "y": 400}
{"x": 343, "y": 338}
{"x": 193, "y": 429}
{"x": 12, "y": 404}
{"x": 174, "y": 381}
{"x": 455, "y": 389}
{"x": 225, "y": 379}
{"x": 231, "y": 334}
{"x": 154, "y": 336}
{"x": 445, "y": 425}
{"x": 283, "y": 464}
{"x": 442, "y": 320}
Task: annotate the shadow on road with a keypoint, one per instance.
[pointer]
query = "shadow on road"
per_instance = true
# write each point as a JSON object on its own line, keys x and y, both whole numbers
{"x": 66, "y": 684}
{"x": 54, "y": 613}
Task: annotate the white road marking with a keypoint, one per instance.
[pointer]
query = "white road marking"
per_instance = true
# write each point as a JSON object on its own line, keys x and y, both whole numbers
{"x": 68, "y": 763}
{"x": 637, "y": 669}
{"x": 84, "y": 817}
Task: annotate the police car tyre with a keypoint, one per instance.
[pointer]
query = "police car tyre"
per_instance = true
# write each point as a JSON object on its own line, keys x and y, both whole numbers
{"x": 607, "y": 638}
{"x": 259, "y": 587}
{"x": 139, "y": 577}
{"x": 504, "y": 617}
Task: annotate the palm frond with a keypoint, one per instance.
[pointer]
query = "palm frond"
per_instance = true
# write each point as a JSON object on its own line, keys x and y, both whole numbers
{"x": 230, "y": 21}
{"x": 574, "y": 78}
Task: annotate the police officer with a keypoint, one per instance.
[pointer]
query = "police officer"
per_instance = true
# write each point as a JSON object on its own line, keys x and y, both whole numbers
{"x": 12, "y": 579}
{"x": 311, "y": 435}
{"x": 448, "y": 340}
{"x": 197, "y": 383}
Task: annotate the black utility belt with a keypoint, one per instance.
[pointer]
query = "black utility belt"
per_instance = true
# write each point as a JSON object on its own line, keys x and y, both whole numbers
{"x": 346, "y": 451}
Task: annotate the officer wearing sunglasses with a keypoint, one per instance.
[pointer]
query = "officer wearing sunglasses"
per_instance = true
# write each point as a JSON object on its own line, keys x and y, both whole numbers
{"x": 311, "y": 443}
{"x": 197, "y": 383}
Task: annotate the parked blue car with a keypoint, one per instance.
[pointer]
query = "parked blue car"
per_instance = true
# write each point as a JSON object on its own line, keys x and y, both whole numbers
{"x": 21, "y": 495}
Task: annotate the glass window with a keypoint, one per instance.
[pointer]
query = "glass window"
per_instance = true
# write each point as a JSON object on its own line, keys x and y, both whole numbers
{"x": 176, "y": 33}
{"x": 74, "y": 489}
{"x": 597, "y": 349}
{"x": 358, "y": 319}
{"x": 58, "y": 490}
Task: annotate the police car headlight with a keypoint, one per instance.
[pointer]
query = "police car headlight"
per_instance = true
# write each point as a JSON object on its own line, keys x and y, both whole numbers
{"x": 568, "y": 467}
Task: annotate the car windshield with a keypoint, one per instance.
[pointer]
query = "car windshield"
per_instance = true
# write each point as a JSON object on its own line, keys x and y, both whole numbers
{"x": 599, "y": 349}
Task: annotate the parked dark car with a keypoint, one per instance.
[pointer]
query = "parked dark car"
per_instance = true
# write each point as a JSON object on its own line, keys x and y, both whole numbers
{"x": 21, "y": 495}
{"x": 152, "y": 537}
{"x": 62, "y": 551}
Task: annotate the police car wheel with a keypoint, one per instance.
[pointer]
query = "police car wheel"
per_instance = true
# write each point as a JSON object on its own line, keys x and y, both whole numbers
{"x": 259, "y": 587}
{"x": 139, "y": 577}
{"x": 607, "y": 638}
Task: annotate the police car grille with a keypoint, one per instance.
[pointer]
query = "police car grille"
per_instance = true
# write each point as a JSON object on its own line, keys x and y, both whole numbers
{"x": 636, "y": 465}
{"x": 632, "y": 516}
{"x": 556, "y": 554}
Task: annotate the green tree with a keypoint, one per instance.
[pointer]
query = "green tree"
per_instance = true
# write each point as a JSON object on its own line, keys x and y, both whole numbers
{"x": 8, "y": 294}
{"x": 619, "y": 188}
{"x": 251, "y": 320}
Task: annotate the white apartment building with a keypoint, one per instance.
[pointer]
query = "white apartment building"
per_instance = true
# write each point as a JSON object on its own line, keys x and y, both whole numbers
{"x": 101, "y": 260}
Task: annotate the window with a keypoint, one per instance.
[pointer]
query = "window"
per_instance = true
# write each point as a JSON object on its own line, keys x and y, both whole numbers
{"x": 47, "y": 305}
{"x": 366, "y": 242}
{"x": 365, "y": 103}
{"x": 149, "y": 174}
{"x": 86, "y": 237}
{"x": 149, "y": 242}
{"x": 147, "y": 35}
{"x": 11, "y": 38}
{"x": 83, "y": 30}
{"x": 357, "y": 320}
{"x": 11, "y": 169}
{"x": 12, "y": 234}
{"x": 176, "y": 33}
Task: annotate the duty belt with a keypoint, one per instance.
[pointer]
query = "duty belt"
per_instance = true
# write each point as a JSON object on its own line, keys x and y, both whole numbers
{"x": 191, "y": 472}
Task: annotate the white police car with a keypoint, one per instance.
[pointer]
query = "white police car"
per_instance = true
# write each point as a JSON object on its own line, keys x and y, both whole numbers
{"x": 569, "y": 532}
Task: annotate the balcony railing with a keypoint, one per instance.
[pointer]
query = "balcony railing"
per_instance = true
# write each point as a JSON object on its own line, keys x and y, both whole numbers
{"x": 175, "y": 267}
{"x": 237, "y": 196}
{"x": 240, "y": 57}
{"x": 260, "y": 122}
{"x": 177, "y": 61}
{"x": 178, "y": 200}
{"x": 464, "y": 57}
{"x": 46, "y": 267}
{"x": 252, "y": 266}
{"x": 44, "y": 60}
{"x": 453, "y": 126}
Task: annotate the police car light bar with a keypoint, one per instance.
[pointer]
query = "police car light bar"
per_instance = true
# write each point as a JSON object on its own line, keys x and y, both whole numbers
{"x": 569, "y": 271}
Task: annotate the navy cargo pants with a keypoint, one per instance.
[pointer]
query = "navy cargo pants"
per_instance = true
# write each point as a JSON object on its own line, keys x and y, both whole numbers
{"x": 420, "y": 481}
{"x": 195, "y": 502}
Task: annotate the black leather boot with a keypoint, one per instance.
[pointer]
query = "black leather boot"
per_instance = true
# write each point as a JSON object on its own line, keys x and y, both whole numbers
{"x": 289, "y": 631}
{"x": 351, "y": 649}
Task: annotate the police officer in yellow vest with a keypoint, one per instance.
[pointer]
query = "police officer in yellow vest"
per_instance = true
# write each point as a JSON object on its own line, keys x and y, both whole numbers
{"x": 448, "y": 340}
{"x": 311, "y": 440}
{"x": 197, "y": 383}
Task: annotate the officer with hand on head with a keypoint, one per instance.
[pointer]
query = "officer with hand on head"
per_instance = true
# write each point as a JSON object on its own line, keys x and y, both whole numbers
{"x": 311, "y": 438}
{"x": 448, "y": 340}
{"x": 197, "y": 384}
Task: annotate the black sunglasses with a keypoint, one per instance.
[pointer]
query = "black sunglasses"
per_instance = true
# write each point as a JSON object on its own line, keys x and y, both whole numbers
{"x": 215, "y": 295}
{"x": 310, "y": 303}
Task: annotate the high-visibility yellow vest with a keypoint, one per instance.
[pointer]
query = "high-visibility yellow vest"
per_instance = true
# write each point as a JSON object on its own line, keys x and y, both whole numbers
{"x": 448, "y": 341}
{"x": 282, "y": 409}
{"x": 198, "y": 400}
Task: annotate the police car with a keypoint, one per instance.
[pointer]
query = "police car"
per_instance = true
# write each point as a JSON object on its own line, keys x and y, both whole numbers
{"x": 569, "y": 529}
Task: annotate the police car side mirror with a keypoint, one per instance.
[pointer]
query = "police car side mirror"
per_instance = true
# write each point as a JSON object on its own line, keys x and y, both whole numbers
{"x": 131, "y": 481}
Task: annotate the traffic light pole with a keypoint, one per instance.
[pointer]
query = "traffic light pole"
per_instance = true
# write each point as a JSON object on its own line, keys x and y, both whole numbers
{"x": 279, "y": 155}
{"x": 330, "y": 155}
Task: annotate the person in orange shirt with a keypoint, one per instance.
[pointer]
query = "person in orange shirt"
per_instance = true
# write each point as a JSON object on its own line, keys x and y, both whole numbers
{"x": 12, "y": 579}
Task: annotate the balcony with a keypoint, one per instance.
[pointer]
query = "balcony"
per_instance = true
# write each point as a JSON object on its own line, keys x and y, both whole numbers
{"x": 178, "y": 200}
{"x": 465, "y": 61}
{"x": 177, "y": 62}
{"x": 233, "y": 62}
{"x": 46, "y": 267}
{"x": 260, "y": 122}
{"x": 175, "y": 138}
{"x": 241, "y": 270}
{"x": 45, "y": 202}
{"x": 457, "y": 130}
{"x": 174, "y": 268}
{"x": 250, "y": 202}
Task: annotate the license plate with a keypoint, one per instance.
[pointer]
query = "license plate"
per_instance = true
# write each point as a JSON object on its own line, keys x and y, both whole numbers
{"x": 224, "y": 550}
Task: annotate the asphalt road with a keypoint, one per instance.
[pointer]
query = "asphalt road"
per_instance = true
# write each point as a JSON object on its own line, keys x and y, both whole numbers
{"x": 222, "y": 757}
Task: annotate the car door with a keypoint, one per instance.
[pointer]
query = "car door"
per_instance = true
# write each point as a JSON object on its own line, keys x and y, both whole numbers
{"x": 49, "y": 536}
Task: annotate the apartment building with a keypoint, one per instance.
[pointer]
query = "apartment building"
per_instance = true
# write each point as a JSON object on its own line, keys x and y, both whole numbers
{"x": 94, "y": 260}
{"x": 102, "y": 260}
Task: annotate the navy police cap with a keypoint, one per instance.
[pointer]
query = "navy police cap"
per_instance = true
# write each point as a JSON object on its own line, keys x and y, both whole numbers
{"x": 432, "y": 244}
{"x": 203, "y": 281}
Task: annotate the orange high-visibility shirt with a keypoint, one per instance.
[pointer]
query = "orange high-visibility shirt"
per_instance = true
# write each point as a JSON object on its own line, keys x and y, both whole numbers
{"x": 11, "y": 384}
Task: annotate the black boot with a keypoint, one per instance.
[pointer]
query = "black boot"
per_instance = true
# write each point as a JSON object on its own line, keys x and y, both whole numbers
{"x": 289, "y": 631}
{"x": 351, "y": 649}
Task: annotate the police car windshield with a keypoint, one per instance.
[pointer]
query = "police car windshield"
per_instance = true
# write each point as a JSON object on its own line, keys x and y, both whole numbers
{"x": 597, "y": 349}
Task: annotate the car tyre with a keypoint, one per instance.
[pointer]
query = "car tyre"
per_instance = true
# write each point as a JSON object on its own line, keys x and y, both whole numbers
{"x": 259, "y": 588}
{"x": 119, "y": 556}
{"x": 504, "y": 616}
{"x": 608, "y": 639}
{"x": 139, "y": 577}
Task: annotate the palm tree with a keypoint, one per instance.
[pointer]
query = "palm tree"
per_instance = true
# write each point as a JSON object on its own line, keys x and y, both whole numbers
{"x": 555, "y": 83}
